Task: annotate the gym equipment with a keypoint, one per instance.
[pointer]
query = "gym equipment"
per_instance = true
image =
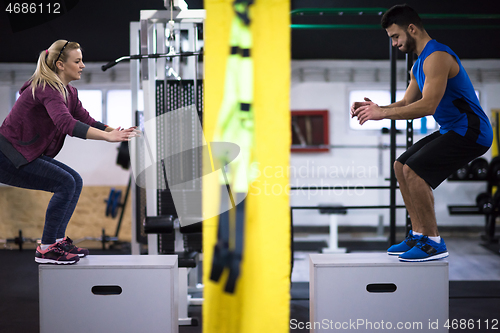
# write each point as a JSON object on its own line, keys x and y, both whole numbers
{"x": 149, "y": 56}
{"x": 159, "y": 224}
{"x": 463, "y": 172}
{"x": 494, "y": 171}
{"x": 271, "y": 24}
{"x": 169, "y": 84}
{"x": 484, "y": 203}
{"x": 380, "y": 11}
{"x": 123, "y": 157}
{"x": 117, "y": 293}
{"x": 333, "y": 211}
{"x": 113, "y": 202}
{"x": 164, "y": 38}
{"x": 235, "y": 124}
{"x": 478, "y": 169}
{"x": 20, "y": 240}
{"x": 185, "y": 243}
{"x": 490, "y": 226}
{"x": 365, "y": 288}
{"x": 375, "y": 245}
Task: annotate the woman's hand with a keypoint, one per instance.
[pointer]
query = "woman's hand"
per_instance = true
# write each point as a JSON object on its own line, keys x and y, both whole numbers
{"x": 119, "y": 134}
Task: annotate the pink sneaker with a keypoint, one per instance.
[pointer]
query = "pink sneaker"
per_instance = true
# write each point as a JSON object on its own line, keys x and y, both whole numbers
{"x": 55, "y": 254}
{"x": 67, "y": 245}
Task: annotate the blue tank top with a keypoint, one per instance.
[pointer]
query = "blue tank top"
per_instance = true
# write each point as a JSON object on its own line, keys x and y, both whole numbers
{"x": 459, "y": 109}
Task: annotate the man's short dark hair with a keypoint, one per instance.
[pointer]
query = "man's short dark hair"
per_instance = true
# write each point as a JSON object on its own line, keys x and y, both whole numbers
{"x": 402, "y": 15}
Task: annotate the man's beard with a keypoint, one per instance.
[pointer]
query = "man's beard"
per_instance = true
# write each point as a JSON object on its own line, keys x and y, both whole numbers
{"x": 410, "y": 44}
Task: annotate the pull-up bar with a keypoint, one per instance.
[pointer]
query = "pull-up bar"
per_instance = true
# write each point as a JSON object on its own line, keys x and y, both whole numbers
{"x": 339, "y": 11}
{"x": 379, "y": 11}
{"x": 377, "y": 26}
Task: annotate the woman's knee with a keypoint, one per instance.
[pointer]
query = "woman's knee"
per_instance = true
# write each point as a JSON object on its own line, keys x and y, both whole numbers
{"x": 70, "y": 184}
{"x": 78, "y": 182}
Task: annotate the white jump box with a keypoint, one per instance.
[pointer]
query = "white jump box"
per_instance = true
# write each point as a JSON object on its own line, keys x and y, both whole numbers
{"x": 375, "y": 292}
{"x": 110, "y": 293}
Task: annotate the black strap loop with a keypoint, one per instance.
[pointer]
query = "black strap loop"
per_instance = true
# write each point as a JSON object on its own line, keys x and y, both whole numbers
{"x": 221, "y": 249}
{"x": 245, "y": 106}
{"x": 235, "y": 49}
{"x": 237, "y": 254}
{"x": 245, "y": 53}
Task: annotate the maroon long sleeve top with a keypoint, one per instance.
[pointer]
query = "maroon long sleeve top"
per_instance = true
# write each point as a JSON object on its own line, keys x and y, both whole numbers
{"x": 38, "y": 125}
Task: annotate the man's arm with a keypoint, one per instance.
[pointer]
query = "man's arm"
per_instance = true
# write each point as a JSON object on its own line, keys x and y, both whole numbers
{"x": 437, "y": 68}
{"x": 412, "y": 94}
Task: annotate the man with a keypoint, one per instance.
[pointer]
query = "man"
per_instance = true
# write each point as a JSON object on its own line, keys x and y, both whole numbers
{"x": 440, "y": 87}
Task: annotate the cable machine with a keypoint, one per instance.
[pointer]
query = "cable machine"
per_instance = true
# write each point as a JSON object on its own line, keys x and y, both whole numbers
{"x": 169, "y": 45}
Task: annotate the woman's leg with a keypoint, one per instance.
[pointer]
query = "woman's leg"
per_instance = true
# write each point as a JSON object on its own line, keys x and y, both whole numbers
{"x": 61, "y": 231}
{"x": 46, "y": 175}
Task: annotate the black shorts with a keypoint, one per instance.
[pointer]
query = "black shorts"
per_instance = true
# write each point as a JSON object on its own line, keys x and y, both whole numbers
{"x": 437, "y": 156}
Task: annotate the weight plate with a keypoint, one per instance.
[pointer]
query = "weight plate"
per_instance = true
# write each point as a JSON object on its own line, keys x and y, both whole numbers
{"x": 109, "y": 202}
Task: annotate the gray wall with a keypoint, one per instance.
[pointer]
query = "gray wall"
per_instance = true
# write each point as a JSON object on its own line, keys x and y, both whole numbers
{"x": 318, "y": 84}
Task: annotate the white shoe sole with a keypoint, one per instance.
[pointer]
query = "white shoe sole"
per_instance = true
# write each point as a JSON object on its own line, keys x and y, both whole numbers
{"x": 52, "y": 261}
{"x": 394, "y": 253}
{"x": 436, "y": 257}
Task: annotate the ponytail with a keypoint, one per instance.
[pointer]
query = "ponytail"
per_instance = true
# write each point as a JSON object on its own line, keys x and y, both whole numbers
{"x": 46, "y": 69}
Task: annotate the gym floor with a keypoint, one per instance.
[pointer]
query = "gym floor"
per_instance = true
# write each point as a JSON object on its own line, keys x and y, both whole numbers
{"x": 474, "y": 273}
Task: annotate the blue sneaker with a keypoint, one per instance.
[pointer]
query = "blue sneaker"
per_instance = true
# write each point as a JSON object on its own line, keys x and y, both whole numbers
{"x": 425, "y": 250}
{"x": 406, "y": 245}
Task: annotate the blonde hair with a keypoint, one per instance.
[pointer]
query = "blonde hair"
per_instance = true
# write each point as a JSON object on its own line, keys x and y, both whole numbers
{"x": 46, "y": 69}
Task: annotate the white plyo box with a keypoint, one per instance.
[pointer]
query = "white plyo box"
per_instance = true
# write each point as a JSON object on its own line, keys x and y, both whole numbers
{"x": 375, "y": 292}
{"x": 110, "y": 293}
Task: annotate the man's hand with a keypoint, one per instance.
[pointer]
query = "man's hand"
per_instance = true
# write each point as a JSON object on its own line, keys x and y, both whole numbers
{"x": 357, "y": 105}
{"x": 366, "y": 111}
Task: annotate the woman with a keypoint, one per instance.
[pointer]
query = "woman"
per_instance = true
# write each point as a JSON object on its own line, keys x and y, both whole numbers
{"x": 33, "y": 133}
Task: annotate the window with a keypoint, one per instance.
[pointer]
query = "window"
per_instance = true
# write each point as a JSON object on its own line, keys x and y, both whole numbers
{"x": 92, "y": 102}
{"x": 119, "y": 109}
{"x": 310, "y": 131}
{"x": 383, "y": 97}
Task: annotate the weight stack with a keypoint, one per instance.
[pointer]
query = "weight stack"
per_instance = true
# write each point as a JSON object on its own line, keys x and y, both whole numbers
{"x": 193, "y": 242}
{"x": 192, "y": 235}
{"x": 171, "y": 96}
{"x": 140, "y": 192}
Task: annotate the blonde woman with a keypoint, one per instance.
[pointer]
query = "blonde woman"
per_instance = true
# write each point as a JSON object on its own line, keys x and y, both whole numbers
{"x": 33, "y": 133}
